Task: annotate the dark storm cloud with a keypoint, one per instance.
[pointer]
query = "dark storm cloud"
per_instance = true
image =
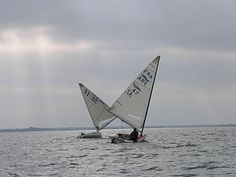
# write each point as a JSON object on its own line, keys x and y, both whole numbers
{"x": 186, "y": 24}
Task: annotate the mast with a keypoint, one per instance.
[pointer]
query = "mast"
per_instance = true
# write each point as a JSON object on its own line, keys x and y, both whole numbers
{"x": 158, "y": 57}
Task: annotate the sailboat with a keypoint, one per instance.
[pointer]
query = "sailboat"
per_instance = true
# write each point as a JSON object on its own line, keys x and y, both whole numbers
{"x": 98, "y": 112}
{"x": 132, "y": 106}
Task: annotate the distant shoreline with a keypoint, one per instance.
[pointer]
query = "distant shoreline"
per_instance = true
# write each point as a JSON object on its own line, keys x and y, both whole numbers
{"x": 33, "y": 129}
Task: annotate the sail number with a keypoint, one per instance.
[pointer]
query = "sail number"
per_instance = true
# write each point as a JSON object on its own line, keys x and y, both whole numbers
{"x": 134, "y": 89}
{"x": 86, "y": 92}
{"x": 145, "y": 77}
{"x": 94, "y": 98}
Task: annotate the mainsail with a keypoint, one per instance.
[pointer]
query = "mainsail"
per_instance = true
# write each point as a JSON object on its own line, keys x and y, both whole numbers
{"x": 97, "y": 108}
{"x": 132, "y": 106}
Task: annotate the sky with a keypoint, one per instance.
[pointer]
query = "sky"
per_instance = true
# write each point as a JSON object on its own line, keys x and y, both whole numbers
{"x": 46, "y": 47}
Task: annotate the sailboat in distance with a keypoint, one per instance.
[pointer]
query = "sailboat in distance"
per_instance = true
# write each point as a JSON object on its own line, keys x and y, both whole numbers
{"x": 98, "y": 112}
{"x": 132, "y": 106}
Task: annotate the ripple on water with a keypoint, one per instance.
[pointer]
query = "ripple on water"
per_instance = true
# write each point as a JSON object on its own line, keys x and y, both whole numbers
{"x": 155, "y": 168}
{"x": 47, "y": 165}
{"x": 206, "y": 165}
{"x": 170, "y": 152}
{"x": 73, "y": 163}
{"x": 123, "y": 171}
{"x": 81, "y": 156}
{"x": 93, "y": 148}
{"x": 101, "y": 169}
{"x": 186, "y": 175}
{"x": 194, "y": 167}
{"x": 14, "y": 174}
{"x": 137, "y": 155}
{"x": 216, "y": 166}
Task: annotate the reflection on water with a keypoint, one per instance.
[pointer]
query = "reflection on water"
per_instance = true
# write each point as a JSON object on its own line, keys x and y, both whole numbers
{"x": 168, "y": 152}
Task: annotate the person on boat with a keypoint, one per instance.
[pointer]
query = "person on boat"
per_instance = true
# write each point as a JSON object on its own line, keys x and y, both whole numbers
{"x": 134, "y": 135}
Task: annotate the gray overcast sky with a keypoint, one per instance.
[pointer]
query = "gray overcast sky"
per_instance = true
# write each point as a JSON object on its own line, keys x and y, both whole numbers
{"x": 47, "y": 46}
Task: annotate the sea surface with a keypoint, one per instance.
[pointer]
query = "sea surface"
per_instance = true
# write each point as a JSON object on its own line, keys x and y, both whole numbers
{"x": 205, "y": 151}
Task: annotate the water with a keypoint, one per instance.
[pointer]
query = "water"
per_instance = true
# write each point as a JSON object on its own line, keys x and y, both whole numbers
{"x": 169, "y": 152}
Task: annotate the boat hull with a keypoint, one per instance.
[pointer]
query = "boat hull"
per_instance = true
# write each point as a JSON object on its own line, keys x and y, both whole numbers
{"x": 90, "y": 135}
{"x": 124, "y": 138}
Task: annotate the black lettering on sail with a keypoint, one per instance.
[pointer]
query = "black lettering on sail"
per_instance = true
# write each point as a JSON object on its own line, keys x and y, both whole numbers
{"x": 137, "y": 87}
{"x": 145, "y": 78}
{"x": 136, "y": 90}
{"x": 128, "y": 92}
{"x": 86, "y": 92}
{"x": 142, "y": 80}
{"x": 94, "y": 99}
{"x": 139, "y": 78}
{"x": 149, "y": 74}
{"x": 101, "y": 102}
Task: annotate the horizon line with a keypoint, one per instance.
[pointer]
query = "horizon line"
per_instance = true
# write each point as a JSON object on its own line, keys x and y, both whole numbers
{"x": 31, "y": 128}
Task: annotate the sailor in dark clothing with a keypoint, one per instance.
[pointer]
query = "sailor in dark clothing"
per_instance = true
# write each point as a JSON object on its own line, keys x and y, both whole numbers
{"x": 134, "y": 135}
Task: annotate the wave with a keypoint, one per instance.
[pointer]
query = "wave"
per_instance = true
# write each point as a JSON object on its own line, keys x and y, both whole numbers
{"x": 156, "y": 168}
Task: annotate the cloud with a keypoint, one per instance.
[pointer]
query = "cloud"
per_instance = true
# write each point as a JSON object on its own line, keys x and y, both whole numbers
{"x": 36, "y": 41}
{"x": 46, "y": 47}
{"x": 203, "y": 25}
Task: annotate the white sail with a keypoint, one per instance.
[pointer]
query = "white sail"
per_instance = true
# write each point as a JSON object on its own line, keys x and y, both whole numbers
{"x": 97, "y": 108}
{"x": 132, "y": 106}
